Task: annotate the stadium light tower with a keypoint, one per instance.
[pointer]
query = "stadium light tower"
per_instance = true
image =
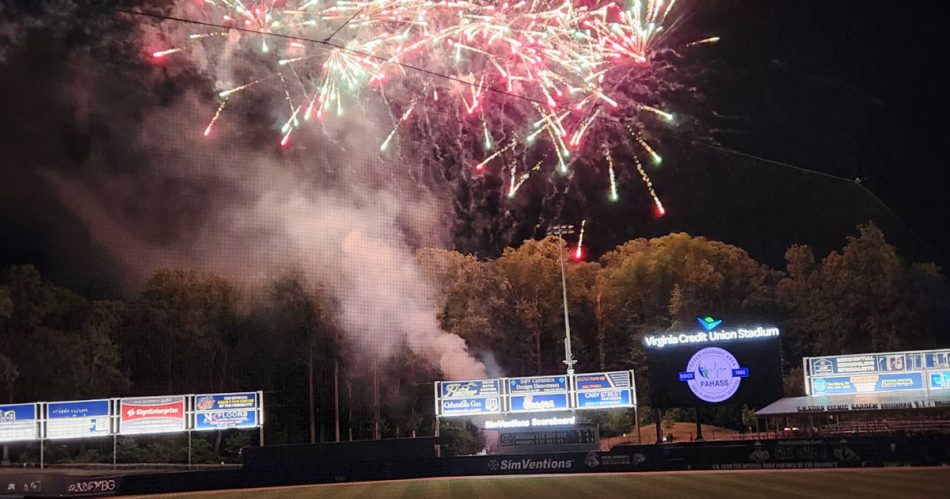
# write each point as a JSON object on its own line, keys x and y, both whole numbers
{"x": 559, "y": 231}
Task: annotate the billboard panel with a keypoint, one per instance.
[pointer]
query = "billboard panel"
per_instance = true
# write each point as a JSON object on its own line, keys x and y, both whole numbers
{"x": 470, "y": 389}
{"x": 469, "y": 397}
{"x": 223, "y": 420}
{"x": 939, "y": 380}
{"x": 725, "y": 366}
{"x": 85, "y": 418}
{"x": 866, "y": 363}
{"x": 151, "y": 415}
{"x": 603, "y": 390}
{"x": 220, "y": 411}
{"x": 18, "y": 422}
{"x": 225, "y": 401}
{"x": 470, "y": 406}
{"x": 937, "y": 359}
{"x": 537, "y": 384}
{"x": 595, "y": 381}
{"x": 878, "y": 372}
{"x": 604, "y": 399}
{"x": 535, "y": 394}
{"x": 539, "y": 402}
{"x": 867, "y": 383}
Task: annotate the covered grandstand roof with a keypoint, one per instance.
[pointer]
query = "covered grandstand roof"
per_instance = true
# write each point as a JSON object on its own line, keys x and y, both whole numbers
{"x": 858, "y": 402}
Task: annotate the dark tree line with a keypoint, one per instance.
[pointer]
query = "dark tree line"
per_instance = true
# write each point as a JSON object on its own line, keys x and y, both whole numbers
{"x": 190, "y": 332}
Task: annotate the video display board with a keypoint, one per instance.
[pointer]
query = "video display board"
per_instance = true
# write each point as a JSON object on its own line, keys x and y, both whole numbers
{"x": 883, "y": 372}
{"x": 84, "y": 418}
{"x": 708, "y": 367}
{"x": 19, "y": 422}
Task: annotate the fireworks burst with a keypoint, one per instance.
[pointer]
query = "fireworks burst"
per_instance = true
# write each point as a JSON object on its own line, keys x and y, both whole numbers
{"x": 544, "y": 74}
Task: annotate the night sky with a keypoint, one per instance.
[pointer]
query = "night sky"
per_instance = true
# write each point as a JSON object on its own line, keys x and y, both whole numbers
{"x": 852, "y": 89}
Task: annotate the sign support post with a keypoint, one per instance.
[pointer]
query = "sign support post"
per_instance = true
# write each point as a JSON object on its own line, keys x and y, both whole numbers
{"x": 189, "y": 422}
{"x": 636, "y": 422}
{"x": 114, "y": 428}
{"x": 260, "y": 418}
{"x": 699, "y": 426}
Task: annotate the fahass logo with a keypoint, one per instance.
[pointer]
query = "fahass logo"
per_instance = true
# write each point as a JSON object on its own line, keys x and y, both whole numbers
{"x": 708, "y": 323}
{"x": 718, "y": 372}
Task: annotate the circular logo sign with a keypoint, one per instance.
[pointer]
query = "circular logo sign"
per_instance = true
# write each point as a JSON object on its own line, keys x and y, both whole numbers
{"x": 713, "y": 380}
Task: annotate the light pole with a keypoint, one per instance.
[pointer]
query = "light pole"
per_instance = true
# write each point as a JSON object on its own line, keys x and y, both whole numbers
{"x": 559, "y": 231}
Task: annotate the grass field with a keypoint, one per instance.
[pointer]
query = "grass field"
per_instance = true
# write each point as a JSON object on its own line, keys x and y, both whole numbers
{"x": 867, "y": 483}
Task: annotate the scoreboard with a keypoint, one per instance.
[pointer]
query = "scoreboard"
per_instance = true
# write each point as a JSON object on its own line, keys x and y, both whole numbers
{"x": 583, "y": 435}
{"x": 923, "y": 371}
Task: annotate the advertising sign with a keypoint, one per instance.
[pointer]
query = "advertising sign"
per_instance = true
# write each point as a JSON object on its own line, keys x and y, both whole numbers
{"x": 470, "y": 397}
{"x": 18, "y": 422}
{"x": 867, "y": 383}
{"x": 470, "y": 406}
{"x": 220, "y": 411}
{"x": 603, "y": 390}
{"x": 225, "y": 401}
{"x": 535, "y": 394}
{"x": 470, "y": 389}
{"x": 939, "y": 380}
{"x": 86, "y": 418}
{"x": 878, "y": 372}
{"x": 537, "y": 384}
{"x": 596, "y": 381}
{"x": 223, "y": 420}
{"x": 604, "y": 399}
{"x": 938, "y": 359}
{"x": 866, "y": 363}
{"x": 539, "y": 402}
{"x": 151, "y": 415}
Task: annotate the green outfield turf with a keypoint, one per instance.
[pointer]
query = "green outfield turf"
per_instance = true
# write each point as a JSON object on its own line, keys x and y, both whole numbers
{"x": 866, "y": 483}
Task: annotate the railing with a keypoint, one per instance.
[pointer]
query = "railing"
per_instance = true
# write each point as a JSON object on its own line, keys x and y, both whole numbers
{"x": 887, "y": 426}
{"x": 838, "y": 429}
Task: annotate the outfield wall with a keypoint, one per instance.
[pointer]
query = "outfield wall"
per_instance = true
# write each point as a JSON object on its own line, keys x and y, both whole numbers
{"x": 330, "y": 463}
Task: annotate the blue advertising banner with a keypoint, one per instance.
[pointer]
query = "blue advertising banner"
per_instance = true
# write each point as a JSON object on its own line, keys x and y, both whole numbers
{"x": 604, "y": 399}
{"x": 938, "y": 360}
{"x": 227, "y": 419}
{"x": 18, "y": 422}
{"x": 939, "y": 380}
{"x": 600, "y": 381}
{"x": 537, "y": 384}
{"x": 539, "y": 402}
{"x": 470, "y": 406}
{"x": 84, "y": 418}
{"x": 867, "y": 363}
{"x": 867, "y": 383}
{"x": 225, "y": 401}
{"x": 470, "y": 389}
